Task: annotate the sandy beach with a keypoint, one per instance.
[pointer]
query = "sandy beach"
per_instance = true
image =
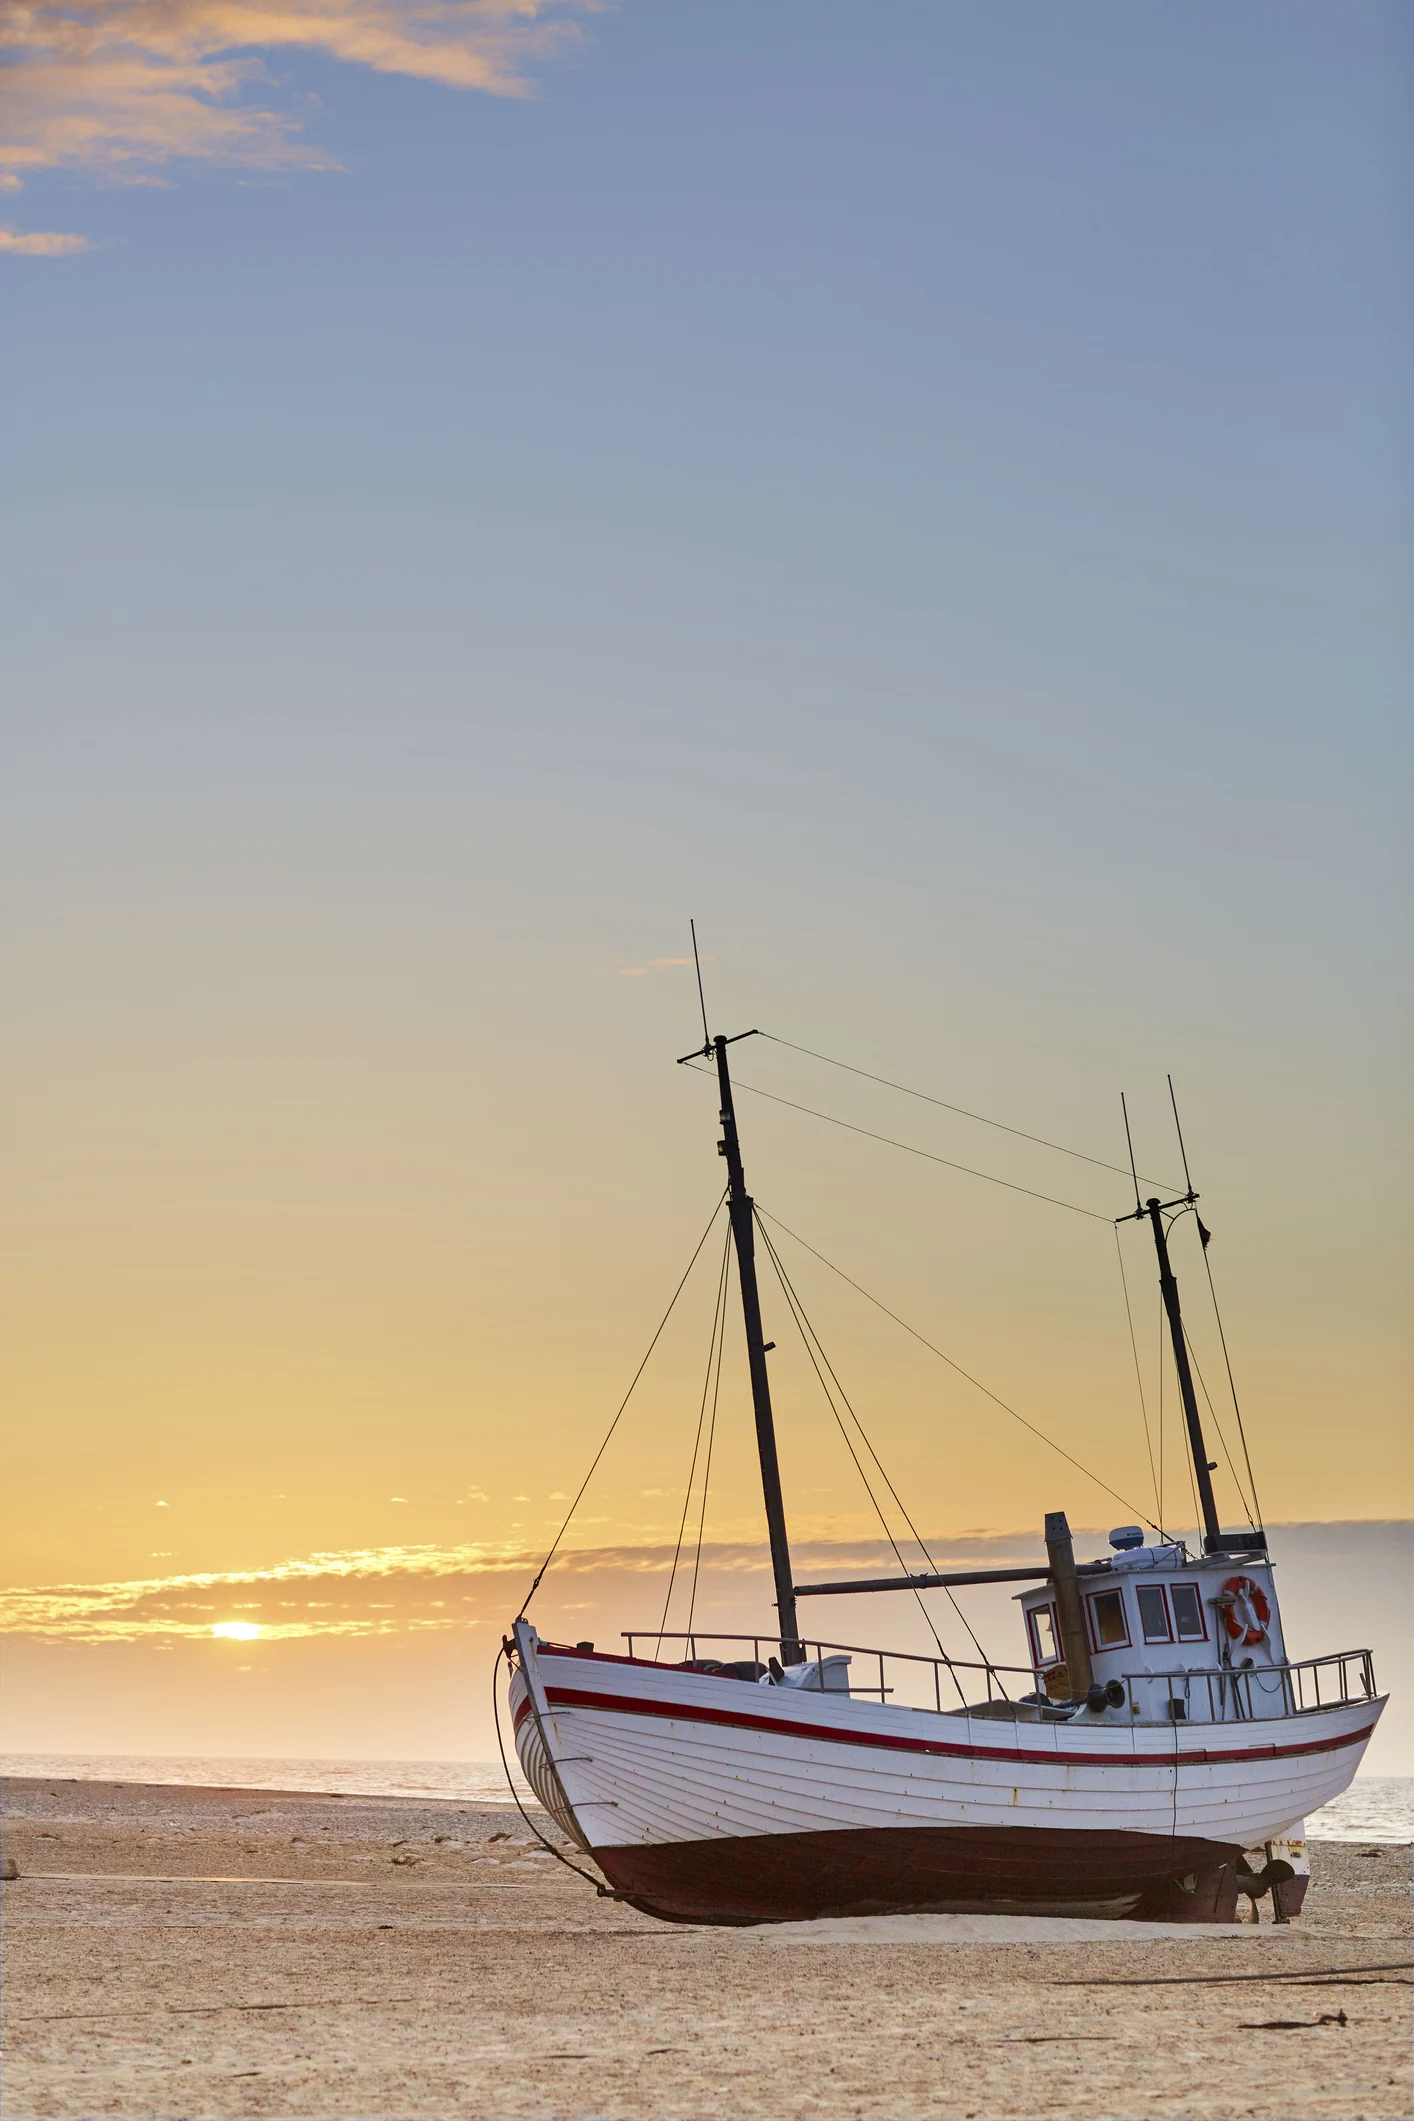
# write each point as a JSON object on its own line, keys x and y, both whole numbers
{"x": 211, "y": 1952}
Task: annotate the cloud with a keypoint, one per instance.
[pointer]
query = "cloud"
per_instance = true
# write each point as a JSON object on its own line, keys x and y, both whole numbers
{"x": 120, "y": 87}
{"x": 370, "y": 1591}
{"x": 354, "y": 1583}
{"x": 46, "y": 243}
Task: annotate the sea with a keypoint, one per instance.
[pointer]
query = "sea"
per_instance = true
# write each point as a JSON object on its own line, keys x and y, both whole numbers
{"x": 1374, "y": 1808}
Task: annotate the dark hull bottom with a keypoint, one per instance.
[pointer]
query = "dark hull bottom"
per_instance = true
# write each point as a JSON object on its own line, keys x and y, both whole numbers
{"x": 928, "y": 1870}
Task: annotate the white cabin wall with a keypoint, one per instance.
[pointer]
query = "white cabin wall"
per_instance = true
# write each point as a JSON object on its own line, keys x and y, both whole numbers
{"x": 1208, "y": 1577}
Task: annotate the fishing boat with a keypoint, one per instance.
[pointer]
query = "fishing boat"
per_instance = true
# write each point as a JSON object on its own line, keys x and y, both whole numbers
{"x": 1154, "y": 1755}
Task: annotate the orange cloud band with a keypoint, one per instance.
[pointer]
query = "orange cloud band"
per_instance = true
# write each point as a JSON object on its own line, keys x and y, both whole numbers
{"x": 123, "y": 86}
{"x": 390, "y": 1590}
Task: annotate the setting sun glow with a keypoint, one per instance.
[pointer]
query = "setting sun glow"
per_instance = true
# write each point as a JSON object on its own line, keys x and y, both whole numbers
{"x": 236, "y": 1630}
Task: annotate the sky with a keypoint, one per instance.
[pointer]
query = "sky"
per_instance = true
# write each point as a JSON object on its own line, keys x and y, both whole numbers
{"x": 923, "y": 491}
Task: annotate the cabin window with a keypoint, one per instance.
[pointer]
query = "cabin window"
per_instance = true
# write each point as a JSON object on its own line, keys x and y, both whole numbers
{"x": 1107, "y": 1623}
{"x": 1045, "y": 1649}
{"x": 1188, "y": 1613}
{"x": 1153, "y": 1613}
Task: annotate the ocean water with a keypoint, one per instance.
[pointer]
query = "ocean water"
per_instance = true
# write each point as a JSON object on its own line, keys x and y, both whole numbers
{"x": 479, "y": 1781}
{"x": 1374, "y": 1808}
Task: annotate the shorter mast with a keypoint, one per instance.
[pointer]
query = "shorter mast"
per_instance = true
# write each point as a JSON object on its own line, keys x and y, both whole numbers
{"x": 1154, "y": 1208}
{"x": 1203, "y": 1466}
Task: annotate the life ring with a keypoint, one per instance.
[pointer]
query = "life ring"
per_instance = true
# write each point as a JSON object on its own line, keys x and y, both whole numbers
{"x": 1246, "y": 1612}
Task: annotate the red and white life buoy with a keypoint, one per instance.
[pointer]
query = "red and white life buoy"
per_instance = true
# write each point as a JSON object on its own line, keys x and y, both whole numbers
{"x": 1245, "y": 1609}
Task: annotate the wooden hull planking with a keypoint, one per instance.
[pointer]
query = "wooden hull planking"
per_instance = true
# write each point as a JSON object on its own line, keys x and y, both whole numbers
{"x": 707, "y": 1800}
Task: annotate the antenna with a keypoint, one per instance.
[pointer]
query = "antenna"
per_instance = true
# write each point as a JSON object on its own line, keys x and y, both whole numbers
{"x": 1181, "y": 1150}
{"x": 702, "y": 999}
{"x": 1138, "y": 1211}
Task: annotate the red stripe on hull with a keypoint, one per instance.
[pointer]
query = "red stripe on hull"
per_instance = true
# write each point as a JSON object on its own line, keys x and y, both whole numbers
{"x": 921, "y": 1870}
{"x": 700, "y": 1712}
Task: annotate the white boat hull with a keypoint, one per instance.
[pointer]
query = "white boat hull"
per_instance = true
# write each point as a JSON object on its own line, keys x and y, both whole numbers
{"x": 706, "y": 1799}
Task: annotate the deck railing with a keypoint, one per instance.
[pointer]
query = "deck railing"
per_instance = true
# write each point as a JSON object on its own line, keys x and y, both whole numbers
{"x": 907, "y": 1677}
{"x": 1236, "y": 1695}
{"x": 910, "y": 1679}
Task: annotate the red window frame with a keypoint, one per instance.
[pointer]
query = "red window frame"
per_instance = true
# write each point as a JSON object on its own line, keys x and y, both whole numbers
{"x": 1154, "y": 1641}
{"x": 1202, "y": 1613}
{"x": 1099, "y": 1648}
{"x": 1040, "y": 1663}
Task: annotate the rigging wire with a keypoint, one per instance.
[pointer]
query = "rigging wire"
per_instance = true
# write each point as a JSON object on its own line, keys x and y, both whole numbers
{"x": 605, "y": 1892}
{"x": 909, "y": 1147}
{"x": 707, "y": 1469}
{"x": 1188, "y": 1344}
{"x": 1186, "y": 1456}
{"x": 961, "y": 1110}
{"x": 717, "y": 1323}
{"x": 1138, "y": 1374}
{"x": 579, "y": 1493}
{"x": 807, "y": 1334}
{"x": 883, "y": 1474}
{"x": 1231, "y": 1382}
{"x": 965, "y": 1374}
{"x": 1161, "y": 1406}
{"x": 1254, "y": 1515}
{"x": 1236, "y": 1480}
{"x": 869, "y": 1447}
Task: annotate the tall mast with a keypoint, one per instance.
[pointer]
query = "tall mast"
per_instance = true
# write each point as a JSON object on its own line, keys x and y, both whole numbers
{"x": 745, "y": 1233}
{"x": 741, "y": 1210}
{"x": 1153, "y": 1208}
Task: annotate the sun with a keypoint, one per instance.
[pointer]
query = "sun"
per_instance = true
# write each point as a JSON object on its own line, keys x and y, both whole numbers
{"x": 236, "y": 1630}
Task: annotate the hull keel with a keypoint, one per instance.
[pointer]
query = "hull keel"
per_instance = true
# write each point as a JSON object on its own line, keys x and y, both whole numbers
{"x": 926, "y": 1870}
